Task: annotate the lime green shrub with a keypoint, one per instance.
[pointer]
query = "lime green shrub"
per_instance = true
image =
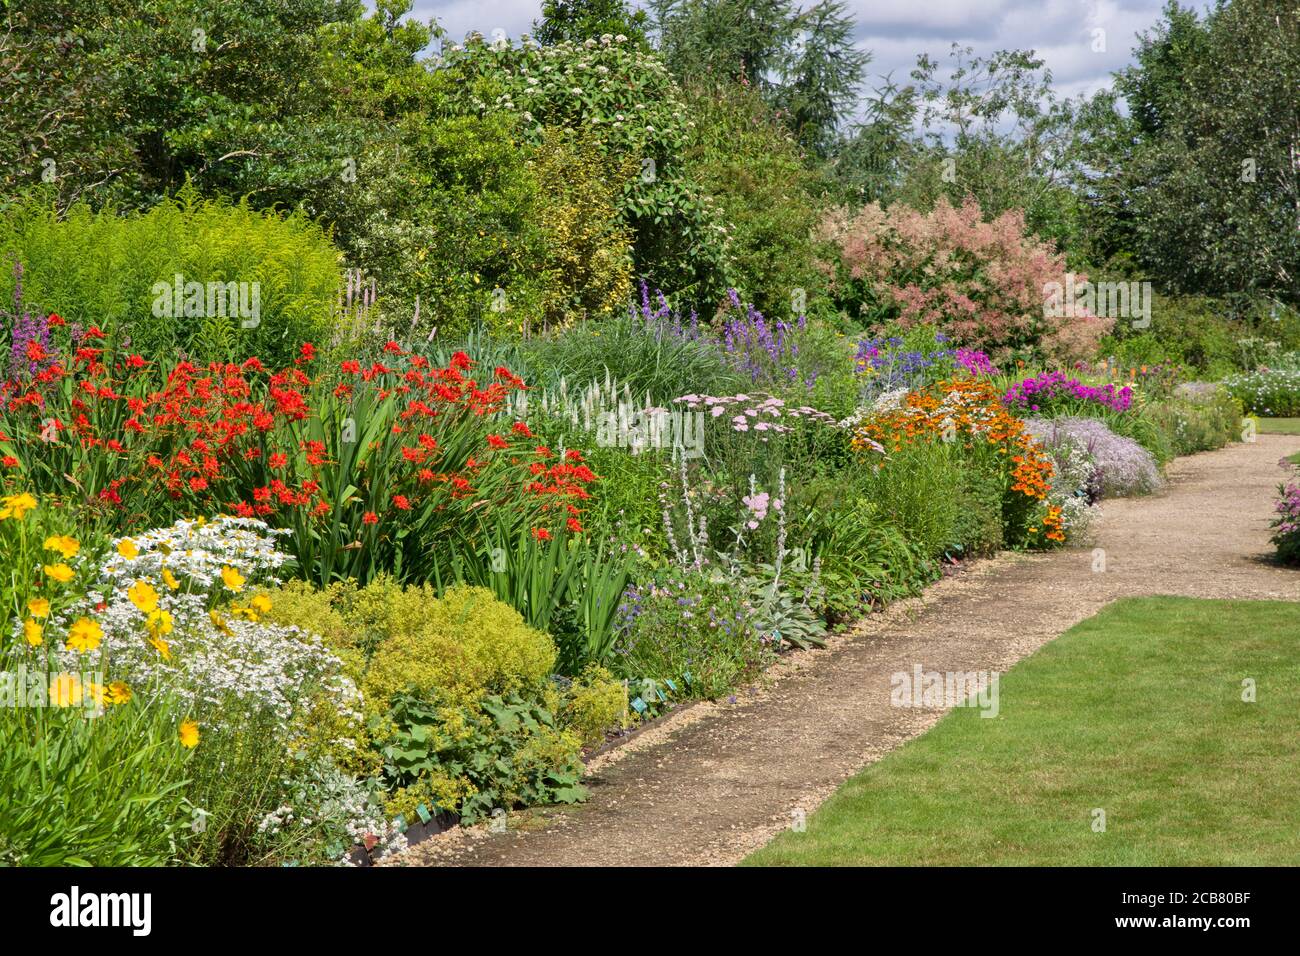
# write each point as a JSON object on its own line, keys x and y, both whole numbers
{"x": 107, "y": 269}
{"x": 464, "y": 645}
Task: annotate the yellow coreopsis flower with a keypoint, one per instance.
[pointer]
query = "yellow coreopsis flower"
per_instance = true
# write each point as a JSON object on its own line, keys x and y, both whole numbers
{"x": 162, "y": 647}
{"x": 38, "y": 607}
{"x": 65, "y": 690}
{"x": 98, "y": 693}
{"x": 144, "y": 596}
{"x": 17, "y": 506}
{"x": 232, "y": 579}
{"x": 128, "y": 549}
{"x": 219, "y": 622}
{"x": 64, "y": 544}
{"x": 169, "y": 579}
{"x": 118, "y": 692}
{"x": 59, "y": 572}
{"x": 261, "y": 604}
{"x": 33, "y": 632}
{"x": 189, "y": 734}
{"x": 159, "y": 622}
{"x": 84, "y": 635}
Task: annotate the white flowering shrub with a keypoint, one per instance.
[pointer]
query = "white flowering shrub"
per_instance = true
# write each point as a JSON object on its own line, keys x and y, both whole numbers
{"x": 179, "y": 608}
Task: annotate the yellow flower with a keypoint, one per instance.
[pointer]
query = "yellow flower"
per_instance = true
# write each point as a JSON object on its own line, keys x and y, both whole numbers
{"x": 60, "y": 572}
{"x": 169, "y": 579}
{"x": 33, "y": 631}
{"x": 39, "y": 607}
{"x": 84, "y": 635}
{"x": 219, "y": 623}
{"x": 65, "y": 690}
{"x": 189, "y": 734}
{"x": 159, "y": 622}
{"x": 261, "y": 604}
{"x": 143, "y": 596}
{"x": 98, "y": 693}
{"x": 65, "y": 544}
{"x": 17, "y": 506}
{"x": 162, "y": 647}
{"x": 118, "y": 692}
{"x": 128, "y": 549}
{"x": 232, "y": 579}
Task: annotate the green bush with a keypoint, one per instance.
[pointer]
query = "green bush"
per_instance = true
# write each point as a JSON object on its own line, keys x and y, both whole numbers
{"x": 108, "y": 269}
{"x": 921, "y": 490}
{"x": 1197, "y": 422}
{"x": 1272, "y": 393}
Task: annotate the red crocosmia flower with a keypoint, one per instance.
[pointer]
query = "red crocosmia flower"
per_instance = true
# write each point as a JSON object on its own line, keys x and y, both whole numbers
{"x": 351, "y": 366}
{"x": 322, "y": 508}
{"x": 574, "y": 525}
{"x": 93, "y": 333}
{"x": 496, "y": 441}
{"x": 10, "y": 461}
{"x": 244, "y": 509}
{"x": 253, "y": 364}
{"x": 543, "y": 451}
{"x": 541, "y": 534}
{"x": 111, "y": 496}
{"x": 54, "y": 319}
{"x": 370, "y": 518}
{"x": 521, "y": 428}
{"x": 198, "y": 483}
{"x": 460, "y": 484}
{"x": 401, "y": 503}
{"x": 135, "y": 361}
{"x": 424, "y": 474}
{"x": 393, "y": 347}
{"x": 573, "y": 455}
{"x": 36, "y": 352}
{"x": 428, "y": 441}
{"x": 461, "y": 361}
{"x": 278, "y": 460}
{"x": 306, "y": 354}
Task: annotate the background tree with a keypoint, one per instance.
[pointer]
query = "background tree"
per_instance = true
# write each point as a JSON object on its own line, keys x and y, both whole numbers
{"x": 583, "y": 19}
{"x": 803, "y": 62}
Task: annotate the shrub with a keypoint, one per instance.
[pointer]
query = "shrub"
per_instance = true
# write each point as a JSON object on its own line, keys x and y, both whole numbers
{"x": 507, "y": 751}
{"x": 626, "y": 98}
{"x": 1272, "y": 392}
{"x": 983, "y": 284}
{"x": 108, "y": 269}
{"x": 1286, "y": 526}
{"x": 1197, "y": 421}
{"x": 464, "y": 646}
{"x": 1124, "y": 466}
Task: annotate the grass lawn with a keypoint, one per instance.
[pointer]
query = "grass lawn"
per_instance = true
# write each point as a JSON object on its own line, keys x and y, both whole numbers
{"x": 1279, "y": 426}
{"x": 1137, "y": 711}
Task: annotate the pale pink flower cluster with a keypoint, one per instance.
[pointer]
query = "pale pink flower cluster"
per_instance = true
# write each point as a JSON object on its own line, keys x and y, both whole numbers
{"x": 763, "y": 415}
{"x": 982, "y": 283}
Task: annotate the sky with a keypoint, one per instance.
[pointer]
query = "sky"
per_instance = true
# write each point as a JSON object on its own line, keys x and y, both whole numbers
{"x": 895, "y": 31}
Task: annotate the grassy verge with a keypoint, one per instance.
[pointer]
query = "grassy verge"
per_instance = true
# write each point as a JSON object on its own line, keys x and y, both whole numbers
{"x": 1137, "y": 711}
{"x": 1279, "y": 426}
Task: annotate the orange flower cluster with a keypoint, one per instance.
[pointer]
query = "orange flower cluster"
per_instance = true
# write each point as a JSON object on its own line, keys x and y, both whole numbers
{"x": 969, "y": 409}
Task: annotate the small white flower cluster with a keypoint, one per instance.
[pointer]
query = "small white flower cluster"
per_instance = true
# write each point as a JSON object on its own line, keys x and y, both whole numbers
{"x": 178, "y": 611}
{"x": 338, "y": 807}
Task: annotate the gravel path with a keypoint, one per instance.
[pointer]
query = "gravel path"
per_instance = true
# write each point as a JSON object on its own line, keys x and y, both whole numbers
{"x": 716, "y": 781}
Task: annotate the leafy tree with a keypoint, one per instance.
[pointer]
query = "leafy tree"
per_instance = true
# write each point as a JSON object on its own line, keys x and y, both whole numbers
{"x": 1213, "y": 181}
{"x": 804, "y": 62}
{"x": 584, "y": 19}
